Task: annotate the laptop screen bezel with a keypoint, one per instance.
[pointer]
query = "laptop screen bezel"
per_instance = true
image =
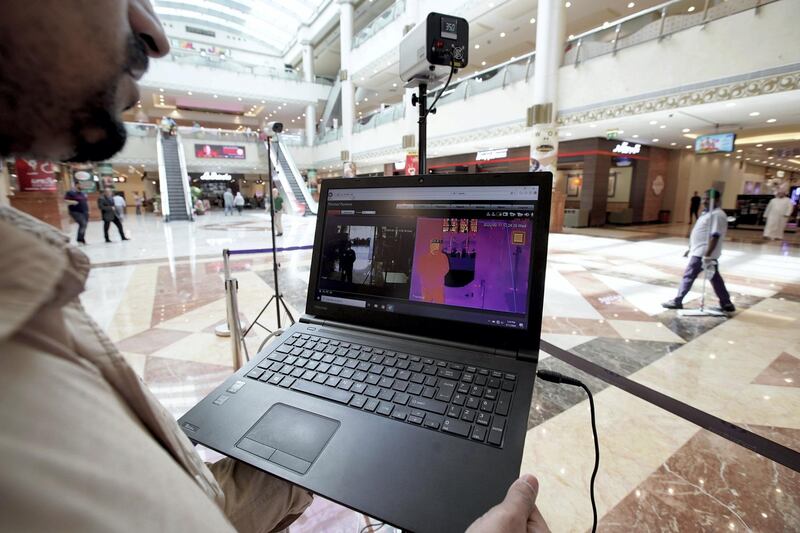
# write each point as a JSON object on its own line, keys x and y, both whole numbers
{"x": 450, "y": 330}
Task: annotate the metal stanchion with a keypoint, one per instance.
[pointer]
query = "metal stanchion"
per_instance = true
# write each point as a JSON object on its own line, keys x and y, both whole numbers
{"x": 233, "y": 326}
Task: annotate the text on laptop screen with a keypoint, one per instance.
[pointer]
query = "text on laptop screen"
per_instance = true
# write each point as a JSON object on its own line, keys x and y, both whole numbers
{"x": 454, "y": 253}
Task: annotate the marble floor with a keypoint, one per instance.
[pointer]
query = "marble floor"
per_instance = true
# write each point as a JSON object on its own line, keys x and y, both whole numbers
{"x": 161, "y": 295}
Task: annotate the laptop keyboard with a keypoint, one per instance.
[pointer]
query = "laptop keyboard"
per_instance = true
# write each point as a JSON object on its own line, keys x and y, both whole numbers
{"x": 465, "y": 401}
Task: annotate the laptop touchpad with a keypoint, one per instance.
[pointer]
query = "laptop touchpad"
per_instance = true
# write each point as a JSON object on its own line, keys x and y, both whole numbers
{"x": 289, "y": 437}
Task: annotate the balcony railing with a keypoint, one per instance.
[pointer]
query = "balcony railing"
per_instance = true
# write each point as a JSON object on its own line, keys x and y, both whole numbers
{"x": 141, "y": 129}
{"x": 216, "y": 134}
{"x": 379, "y": 118}
{"x": 184, "y": 57}
{"x": 652, "y": 24}
{"x": 387, "y": 16}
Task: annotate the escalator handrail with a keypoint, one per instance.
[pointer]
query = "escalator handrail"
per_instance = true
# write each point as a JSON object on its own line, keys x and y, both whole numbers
{"x": 312, "y": 205}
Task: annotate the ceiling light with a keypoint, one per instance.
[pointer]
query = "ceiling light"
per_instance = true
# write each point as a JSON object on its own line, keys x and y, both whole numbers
{"x": 686, "y": 130}
{"x": 754, "y": 114}
{"x": 688, "y": 146}
{"x": 759, "y": 145}
{"x": 738, "y": 157}
{"x": 769, "y": 149}
{"x": 477, "y": 46}
{"x": 592, "y": 125}
{"x": 727, "y": 155}
{"x": 502, "y": 34}
{"x": 653, "y": 122}
{"x": 730, "y": 104}
{"x": 215, "y": 96}
{"x": 533, "y": 20}
{"x": 631, "y": 5}
{"x": 568, "y": 134}
{"x": 568, "y": 4}
{"x": 162, "y": 90}
{"x": 771, "y": 120}
{"x": 663, "y": 126}
{"x": 394, "y": 85}
{"x": 673, "y": 144}
{"x": 655, "y": 140}
{"x": 483, "y": 63}
{"x": 771, "y": 157}
{"x": 691, "y": 8}
{"x": 284, "y": 103}
{"x": 189, "y": 93}
{"x": 263, "y": 101}
{"x": 491, "y": 4}
{"x": 635, "y": 136}
{"x": 571, "y": 37}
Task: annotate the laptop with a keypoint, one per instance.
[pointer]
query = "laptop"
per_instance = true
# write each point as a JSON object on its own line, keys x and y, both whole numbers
{"x": 405, "y": 389}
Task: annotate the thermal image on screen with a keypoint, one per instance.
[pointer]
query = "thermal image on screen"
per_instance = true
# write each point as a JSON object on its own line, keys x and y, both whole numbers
{"x": 475, "y": 263}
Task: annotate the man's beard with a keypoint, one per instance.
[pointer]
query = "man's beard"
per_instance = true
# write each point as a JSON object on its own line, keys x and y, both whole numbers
{"x": 107, "y": 130}
{"x": 98, "y": 116}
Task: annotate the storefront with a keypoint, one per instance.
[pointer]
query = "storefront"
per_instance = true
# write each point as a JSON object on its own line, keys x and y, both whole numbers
{"x": 212, "y": 186}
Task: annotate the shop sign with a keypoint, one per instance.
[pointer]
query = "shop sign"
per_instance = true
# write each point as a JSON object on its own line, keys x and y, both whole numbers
{"x": 213, "y": 176}
{"x": 628, "y": 149}
{"x": 490, "y": 155}
{"x": 612, "y": 134}
{"x": 33, "y": 175}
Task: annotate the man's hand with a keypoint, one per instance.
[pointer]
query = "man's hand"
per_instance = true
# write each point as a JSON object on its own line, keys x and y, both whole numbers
{"x": 517, "y": 513}
{"x": 708, "y": 262}
{"x": 686, "y": 253}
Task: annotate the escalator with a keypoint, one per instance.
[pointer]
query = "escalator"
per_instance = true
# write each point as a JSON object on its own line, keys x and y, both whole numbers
{"x": 173, "y": 184}
{"x": 289, "y": 175}
{"x": 333, "y": 107}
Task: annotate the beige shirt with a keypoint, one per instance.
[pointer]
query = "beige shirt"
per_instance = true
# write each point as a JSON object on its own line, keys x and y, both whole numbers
{"x": 84, "y": 444}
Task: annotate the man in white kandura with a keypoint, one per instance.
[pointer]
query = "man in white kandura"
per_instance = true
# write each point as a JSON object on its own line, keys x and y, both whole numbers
{"x": 777, "y": 214}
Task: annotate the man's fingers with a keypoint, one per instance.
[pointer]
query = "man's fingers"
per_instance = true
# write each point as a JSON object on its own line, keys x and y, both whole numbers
{"x": 522, "y": 495}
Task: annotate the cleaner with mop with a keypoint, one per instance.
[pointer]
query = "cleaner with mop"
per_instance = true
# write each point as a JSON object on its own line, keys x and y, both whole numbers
{"x": 705, "y": 247}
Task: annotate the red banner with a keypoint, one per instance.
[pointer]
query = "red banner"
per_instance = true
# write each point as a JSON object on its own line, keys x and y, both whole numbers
{"x": 412, "y": 164}
{"x": 34, "y": 175}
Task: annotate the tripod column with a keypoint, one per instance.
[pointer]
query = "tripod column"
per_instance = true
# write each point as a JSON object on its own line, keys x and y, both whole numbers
{"x": 422, "y": 104}
{"x": 272, "y": 224}
{"x": 348, "y": 106}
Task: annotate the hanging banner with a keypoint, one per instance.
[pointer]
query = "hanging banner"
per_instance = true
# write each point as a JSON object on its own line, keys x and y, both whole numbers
{"x": 412, "y": 163}
{"x": 33, "y": 175}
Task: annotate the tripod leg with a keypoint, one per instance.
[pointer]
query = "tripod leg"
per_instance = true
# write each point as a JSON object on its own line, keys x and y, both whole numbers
{"x": 259, "y": 316}
{"x": 286, "y": 308}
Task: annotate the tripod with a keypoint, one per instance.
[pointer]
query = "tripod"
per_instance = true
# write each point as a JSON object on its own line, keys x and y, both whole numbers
{"x": 277, "y": 297}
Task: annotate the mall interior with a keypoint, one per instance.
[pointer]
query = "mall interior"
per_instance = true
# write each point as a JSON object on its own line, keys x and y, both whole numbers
{"x": 635, "y": 107}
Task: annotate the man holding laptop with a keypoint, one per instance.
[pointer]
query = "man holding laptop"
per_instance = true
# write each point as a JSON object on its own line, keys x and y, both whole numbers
{"x": 86, "y": 446}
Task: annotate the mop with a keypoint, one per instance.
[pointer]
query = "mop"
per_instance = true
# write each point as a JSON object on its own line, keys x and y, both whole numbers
{"x": 708, "y": 273}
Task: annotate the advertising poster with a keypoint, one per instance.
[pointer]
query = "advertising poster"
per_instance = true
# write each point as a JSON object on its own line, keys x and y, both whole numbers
{"x": 219, "y": 151}
{"x": 412, "y": 163}
{"x": 38, "y": 176}
{"x": 84, "y": 179}
{"x": 709, "y": 144}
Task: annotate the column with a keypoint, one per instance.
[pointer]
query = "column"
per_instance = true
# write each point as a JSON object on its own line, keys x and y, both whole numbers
{"x": 550, "y": 24}
{"x": 348, "y": 107}
{"x": 308, "y": 76}
{"x": 5, "y": 183}
{"x": 410, "y": 140}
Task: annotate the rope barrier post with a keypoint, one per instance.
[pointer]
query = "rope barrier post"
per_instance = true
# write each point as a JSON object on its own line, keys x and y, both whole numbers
{"x": 231, "y": 286}
{"x": 223, "y": 330}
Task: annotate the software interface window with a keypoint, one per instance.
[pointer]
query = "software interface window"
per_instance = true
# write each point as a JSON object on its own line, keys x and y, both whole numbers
{"x": 454, "y": 253}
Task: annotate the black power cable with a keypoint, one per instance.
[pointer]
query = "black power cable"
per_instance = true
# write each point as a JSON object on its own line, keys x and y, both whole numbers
{"x": 555, "y": 377}
{"x": 432, "y": 108}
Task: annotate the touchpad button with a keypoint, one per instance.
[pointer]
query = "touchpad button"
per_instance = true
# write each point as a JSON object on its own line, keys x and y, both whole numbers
{"x": 297, "y": 436}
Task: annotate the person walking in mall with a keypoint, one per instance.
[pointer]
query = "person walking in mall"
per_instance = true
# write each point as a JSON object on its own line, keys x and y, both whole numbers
{"x": 78, "y": 206}
{"x": 777, "y": 214}
{"x": 138, "y": 201}
{"x": 694, "y": 206}
{"x": 238, "y": 202}
{"x": 347, "y": 259}
{"x": 227, "y": 201}
{"x": 109, "y": 211}
{"x": 86, "y": 446}
{"x": 278, "y": 203}
{"x": 120, "y": 206}
{"x": 705, "y": 247}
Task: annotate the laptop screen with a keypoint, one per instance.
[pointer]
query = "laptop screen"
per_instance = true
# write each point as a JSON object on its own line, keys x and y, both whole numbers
{"x": 455, "y": 253}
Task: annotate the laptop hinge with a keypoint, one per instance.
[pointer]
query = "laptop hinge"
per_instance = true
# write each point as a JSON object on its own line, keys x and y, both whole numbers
{"x": 417, "y": 338}
{"x": 526, "y": 355}
{"x": 309, "y": 319}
